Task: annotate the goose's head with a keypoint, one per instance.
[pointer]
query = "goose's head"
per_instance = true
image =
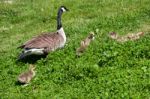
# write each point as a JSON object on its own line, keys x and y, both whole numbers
{"x": 63, "y": 9}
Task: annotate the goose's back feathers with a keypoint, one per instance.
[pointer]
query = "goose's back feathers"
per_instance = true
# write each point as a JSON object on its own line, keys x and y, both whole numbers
{"x": 48, "y": 41}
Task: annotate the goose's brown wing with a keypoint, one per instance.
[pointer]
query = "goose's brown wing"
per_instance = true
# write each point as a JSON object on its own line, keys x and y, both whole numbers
{"x": 48, "y": 40}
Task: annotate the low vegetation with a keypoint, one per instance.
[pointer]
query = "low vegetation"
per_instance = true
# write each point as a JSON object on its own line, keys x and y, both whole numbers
{"x": 107, "y": 69}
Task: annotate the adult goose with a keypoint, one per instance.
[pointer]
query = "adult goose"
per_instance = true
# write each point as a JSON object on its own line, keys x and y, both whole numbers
{"x": 47, "y": 42}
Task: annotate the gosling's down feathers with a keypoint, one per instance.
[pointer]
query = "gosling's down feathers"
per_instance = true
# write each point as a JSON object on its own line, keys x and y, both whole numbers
{"x": 84, "y": 44}
{"x": 46, "y": 42}
{"x": 26, "y": 77}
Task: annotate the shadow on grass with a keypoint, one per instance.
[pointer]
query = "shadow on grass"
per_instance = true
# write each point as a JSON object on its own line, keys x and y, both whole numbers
{"x": 17, "y": 83}
{"x": 31, "y": 59}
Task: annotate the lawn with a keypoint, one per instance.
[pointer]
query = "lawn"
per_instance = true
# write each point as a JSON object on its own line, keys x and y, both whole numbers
{"x": 108, "y": 69}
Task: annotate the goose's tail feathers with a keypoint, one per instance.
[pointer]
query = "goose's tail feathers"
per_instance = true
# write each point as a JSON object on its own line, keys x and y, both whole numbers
{"x": 30, "y": 52}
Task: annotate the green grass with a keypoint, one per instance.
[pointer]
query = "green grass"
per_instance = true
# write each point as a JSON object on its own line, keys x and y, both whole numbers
{"x": 107, "y": 69}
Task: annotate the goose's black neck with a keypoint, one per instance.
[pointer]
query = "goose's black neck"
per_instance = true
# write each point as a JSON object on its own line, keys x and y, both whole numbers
{"x": 59, "y": 24}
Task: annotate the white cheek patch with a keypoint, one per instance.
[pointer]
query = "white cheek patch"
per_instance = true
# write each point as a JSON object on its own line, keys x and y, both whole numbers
{"x": 63, "y": 9}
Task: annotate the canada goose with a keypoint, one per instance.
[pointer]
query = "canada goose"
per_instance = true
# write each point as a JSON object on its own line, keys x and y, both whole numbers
{"x": 26, "y": 77}
{"x": 84, "y": 44}
{"x": 47, "y": 42}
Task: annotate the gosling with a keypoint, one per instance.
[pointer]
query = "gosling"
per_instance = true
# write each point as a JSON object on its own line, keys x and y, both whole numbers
{"x": 84, "y": 44}
{"x": 26, "y": 77}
